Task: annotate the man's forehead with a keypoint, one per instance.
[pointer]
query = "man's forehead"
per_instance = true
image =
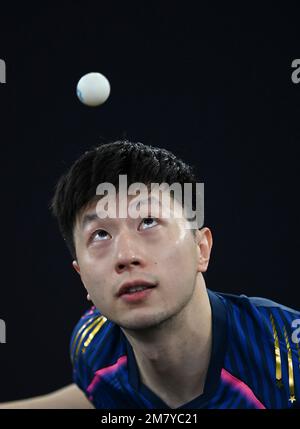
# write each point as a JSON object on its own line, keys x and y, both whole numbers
{"x": 121, "y": 199}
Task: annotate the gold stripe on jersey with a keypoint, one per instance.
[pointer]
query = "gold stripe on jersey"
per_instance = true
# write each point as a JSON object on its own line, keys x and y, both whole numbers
{"x": 92, "y": 334}
{"x": 290, "y": 368}
{"x": 277, "y": 353}
{"x": 81, "y": 334}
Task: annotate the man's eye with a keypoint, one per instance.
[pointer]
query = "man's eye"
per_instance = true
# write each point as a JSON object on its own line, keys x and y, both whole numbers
{"x": 99, "y": 235}
{"x": 149, "y": 222}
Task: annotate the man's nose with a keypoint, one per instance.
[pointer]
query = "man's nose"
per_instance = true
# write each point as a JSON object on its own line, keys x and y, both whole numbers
{"x": 129, "y": 254}
{"x": 128, "y": 263}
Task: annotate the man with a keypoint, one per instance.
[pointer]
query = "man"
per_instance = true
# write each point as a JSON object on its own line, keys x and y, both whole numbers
{"x": 155, "y": 336}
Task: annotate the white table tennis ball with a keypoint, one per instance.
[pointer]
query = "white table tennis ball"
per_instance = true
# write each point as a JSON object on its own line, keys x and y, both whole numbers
{"x": 93, "y": 89}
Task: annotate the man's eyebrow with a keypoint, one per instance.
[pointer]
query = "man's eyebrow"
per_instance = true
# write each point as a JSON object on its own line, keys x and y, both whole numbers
{"x": 88, "y": 218}
{"x": 91, "y": 217}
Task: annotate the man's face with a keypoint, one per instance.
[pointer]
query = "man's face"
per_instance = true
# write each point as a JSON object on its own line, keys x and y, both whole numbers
{"x": 160, "y": 251}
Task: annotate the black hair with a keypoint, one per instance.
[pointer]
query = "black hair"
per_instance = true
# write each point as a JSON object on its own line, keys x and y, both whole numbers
{"x": 76, "y": 189}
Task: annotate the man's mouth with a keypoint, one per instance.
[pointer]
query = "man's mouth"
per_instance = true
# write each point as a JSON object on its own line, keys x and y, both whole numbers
{"x": 135, "y": 287}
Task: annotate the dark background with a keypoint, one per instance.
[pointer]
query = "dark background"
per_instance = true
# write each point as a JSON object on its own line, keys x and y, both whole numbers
{"x": 213, "y": 86}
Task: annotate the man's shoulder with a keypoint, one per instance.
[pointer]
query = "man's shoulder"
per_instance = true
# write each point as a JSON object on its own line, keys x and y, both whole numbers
{"x": 257, "y": 305}
{"x": 96, "y": 343}
{"x": 263, "y": 348}
{"x": 259, "y": 313}
{"x": 92, "y": 333}
{"x": 84, "y": 332}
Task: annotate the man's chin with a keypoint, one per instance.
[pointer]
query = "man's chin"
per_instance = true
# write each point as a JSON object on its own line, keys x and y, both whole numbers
{"x": 143, "y": 323}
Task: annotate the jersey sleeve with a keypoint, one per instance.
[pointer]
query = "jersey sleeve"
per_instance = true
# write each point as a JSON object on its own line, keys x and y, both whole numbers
{"x": 80, "y": 350}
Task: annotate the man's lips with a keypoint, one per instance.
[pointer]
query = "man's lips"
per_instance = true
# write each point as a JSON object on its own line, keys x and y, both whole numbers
{"x": 125, "y": 287}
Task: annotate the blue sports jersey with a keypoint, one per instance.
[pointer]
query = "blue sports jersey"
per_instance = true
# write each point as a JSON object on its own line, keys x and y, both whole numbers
{"x": 255, "y": 359}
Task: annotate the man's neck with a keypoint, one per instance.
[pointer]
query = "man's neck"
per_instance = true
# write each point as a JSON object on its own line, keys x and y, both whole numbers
{"x": 173, "y": 361}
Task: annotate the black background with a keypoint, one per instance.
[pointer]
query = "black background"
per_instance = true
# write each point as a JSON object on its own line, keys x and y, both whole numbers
{"x": 213, "y": 86}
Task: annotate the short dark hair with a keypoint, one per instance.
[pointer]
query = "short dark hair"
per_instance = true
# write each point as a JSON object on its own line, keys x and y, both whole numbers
{"x": 76, "y": 189}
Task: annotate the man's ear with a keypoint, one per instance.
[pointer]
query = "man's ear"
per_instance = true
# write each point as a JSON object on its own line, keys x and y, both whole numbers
{"x": 204, "y": 241}
{"x": 76, "y": 266}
